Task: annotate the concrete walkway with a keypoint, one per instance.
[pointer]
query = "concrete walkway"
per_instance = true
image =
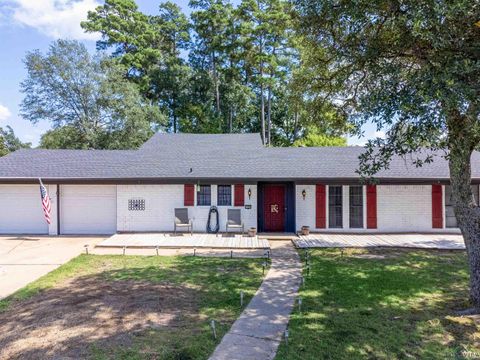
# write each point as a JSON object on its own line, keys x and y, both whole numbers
{"x": 24, "y": 259}
{"x": 258, "y": 331}
{"x": 422, "y": 241}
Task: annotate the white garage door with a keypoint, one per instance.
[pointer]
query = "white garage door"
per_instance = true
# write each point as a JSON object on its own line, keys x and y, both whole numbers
{"x": 21, "y": 211}
{"x": 88, "y": 209}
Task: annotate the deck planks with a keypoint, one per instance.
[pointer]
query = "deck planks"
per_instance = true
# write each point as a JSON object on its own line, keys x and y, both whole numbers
{"x": 166, "y": 240}
{"x": 423, "y": 241}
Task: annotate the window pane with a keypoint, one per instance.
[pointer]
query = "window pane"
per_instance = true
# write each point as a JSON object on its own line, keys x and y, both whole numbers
{"x": 448, "y": 195}
{"x": 450, "y": 219}
{"x": 224, "y": 195}
{"x": 356, "y": 206}
{"x": 204, "y": 196}
{"x": 335, "y": 216}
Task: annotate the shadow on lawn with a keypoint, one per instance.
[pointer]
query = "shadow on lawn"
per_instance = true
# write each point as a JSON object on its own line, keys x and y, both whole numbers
{"x": 395, "y": 307}
{"x": 107, "y": 308}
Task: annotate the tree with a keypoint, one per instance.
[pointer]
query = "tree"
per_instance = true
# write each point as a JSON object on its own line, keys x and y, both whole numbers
{"x": 170, "y": 80}
{"x": 412, "y": 67}
{"x": 9, "y": 142}
{"x": 314, "y": 139}
{"x": 132, "y": 35}
{"x": 64, "y": 137}
{"x": 210, "y": 20}
{"x": 89, "y": 95}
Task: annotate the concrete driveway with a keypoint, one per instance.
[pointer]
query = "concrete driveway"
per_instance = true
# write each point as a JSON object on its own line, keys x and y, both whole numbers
{"x": 24, "y": 259}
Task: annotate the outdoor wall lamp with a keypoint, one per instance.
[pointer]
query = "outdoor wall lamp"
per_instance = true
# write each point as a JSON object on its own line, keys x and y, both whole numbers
{"x": 249, "y": 193}
{"x": 304, "y": 193}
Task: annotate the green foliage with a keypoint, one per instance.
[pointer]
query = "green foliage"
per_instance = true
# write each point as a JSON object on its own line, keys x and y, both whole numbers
{"x": 89, "y": 96}
{"x": 211, "y": 286}
{"x": 382, "y": 304}
{"x": 241, "y": 63}
{"x": 320, "y": 140}
{"x": 131, "y": 33}
{"x": 411, "y": 67}
{"x": 9, "y": 142}
{"x": 64, "y": 137}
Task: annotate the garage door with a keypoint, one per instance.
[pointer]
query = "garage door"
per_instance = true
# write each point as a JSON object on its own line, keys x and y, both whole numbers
{"x": 21, "y": 211}
{"x": 88, "y": 209}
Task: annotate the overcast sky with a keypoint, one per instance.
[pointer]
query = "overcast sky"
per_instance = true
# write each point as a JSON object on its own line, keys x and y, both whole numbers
{"x": 26, "y": 25}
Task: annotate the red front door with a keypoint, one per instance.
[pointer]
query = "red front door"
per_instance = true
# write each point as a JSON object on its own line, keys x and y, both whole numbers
{"x": 274, "y": 208}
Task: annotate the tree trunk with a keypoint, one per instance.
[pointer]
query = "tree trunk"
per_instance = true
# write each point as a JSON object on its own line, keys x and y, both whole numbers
{"x": 230, "y": 121}
{"x": 262, "y": 112}
{"x": 295, "y": 125}
{"x": 174, "y": 114}
{"x": 215, "y": 81}
{"x": 269, "y": 115}
{"x": 466, "y": 210}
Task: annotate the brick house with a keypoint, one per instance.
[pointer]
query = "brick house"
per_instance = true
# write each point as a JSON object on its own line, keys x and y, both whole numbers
{"x": 277, "y": 189}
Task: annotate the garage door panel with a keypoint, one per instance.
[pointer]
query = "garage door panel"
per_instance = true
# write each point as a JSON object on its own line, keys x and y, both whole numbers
{"x": 88, "y": 209}
{"x": 21, "y": 210}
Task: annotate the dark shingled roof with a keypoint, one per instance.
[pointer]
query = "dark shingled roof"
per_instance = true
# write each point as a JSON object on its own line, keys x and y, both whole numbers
{"x": 228, "y": 157}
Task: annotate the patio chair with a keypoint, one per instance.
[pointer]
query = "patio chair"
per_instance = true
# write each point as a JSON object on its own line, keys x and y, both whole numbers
{"x": 182, "y": 220}
{"x": 234, "y": 220}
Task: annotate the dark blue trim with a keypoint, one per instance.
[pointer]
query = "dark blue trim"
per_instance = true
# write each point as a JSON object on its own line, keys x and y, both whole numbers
{"x": 289, "y": 203}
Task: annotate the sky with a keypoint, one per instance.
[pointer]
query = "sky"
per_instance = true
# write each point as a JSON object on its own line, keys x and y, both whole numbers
{"x": 26, "y": 25}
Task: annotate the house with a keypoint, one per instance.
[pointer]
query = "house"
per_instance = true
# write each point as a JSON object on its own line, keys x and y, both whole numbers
{"x": 277, "y": 189}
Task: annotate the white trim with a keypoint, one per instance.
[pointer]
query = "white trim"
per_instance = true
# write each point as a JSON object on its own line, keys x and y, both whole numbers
{"x": 346, "y": 207}
{"x": 444, "y": 217}
{"x": 327, "y": 217}
{"x": 364, "y": 191}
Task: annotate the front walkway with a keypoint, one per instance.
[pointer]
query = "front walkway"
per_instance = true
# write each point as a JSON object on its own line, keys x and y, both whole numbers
{"x": 258, "y": 331}
{"x": 166, "y": 240}
{"x": 424, "y": 241}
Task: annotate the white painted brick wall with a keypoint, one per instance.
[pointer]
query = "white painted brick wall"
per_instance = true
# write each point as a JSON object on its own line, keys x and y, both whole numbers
{"x": 404, "y": 207}
{"x": 400, "y": 208}
{"x": 160, "y": 202}
{"x": 305, "y": 209}
{"x": 52, "y": 193}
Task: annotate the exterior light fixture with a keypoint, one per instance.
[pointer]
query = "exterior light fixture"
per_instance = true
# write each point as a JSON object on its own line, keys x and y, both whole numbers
{"x": 249, "y": 193}
{"x": 198, "y": 187}
{"x": 304, "y": 193}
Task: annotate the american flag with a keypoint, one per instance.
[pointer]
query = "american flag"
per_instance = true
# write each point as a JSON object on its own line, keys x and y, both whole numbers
{"x": 45, "y": 201}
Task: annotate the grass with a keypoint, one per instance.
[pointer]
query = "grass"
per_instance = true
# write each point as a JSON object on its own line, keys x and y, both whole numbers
{"x": 214, "y": 284}
{"x": 389, "y": 304}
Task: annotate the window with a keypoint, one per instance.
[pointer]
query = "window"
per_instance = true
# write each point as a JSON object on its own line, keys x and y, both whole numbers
{"x": 356, "y": 206}
{"x": 224, "y": 195}
{"x": 204, "y": 197}
{"x": 335, "y": 217}
{"x": 450, "y": 219}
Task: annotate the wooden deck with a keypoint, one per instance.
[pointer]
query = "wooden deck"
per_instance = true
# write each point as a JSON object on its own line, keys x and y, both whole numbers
{"x": 424, "y": 241}
{"x": 165, "y": 240}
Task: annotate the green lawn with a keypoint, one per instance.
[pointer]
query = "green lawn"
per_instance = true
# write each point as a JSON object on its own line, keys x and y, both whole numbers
{"x": 390, "y": 304}
{"x": 82, "y": 309}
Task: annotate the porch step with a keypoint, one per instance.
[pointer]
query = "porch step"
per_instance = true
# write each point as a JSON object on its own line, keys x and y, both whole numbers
{"x": 278, "y": 236}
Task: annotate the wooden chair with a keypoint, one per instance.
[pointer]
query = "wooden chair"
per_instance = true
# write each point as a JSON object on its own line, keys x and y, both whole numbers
{"x": 182, "y": 220}
{"x": 234, "y": 220}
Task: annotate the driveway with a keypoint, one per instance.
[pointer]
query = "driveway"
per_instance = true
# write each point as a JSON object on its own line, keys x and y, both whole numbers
{"x": 24, "y": 259}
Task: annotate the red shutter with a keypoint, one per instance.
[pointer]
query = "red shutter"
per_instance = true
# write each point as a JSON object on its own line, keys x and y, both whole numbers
{"x": 437, "y": 213}
{"x": 371, "y": 206}
{"x": 320, "y": 207}
{"x": 189, "y": 195}
{"x": 239, "y": 195}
